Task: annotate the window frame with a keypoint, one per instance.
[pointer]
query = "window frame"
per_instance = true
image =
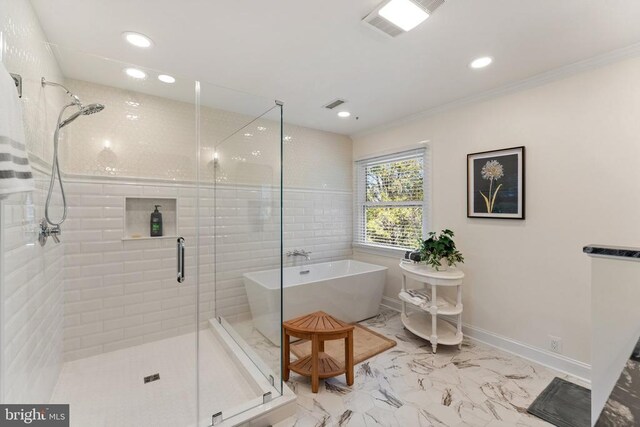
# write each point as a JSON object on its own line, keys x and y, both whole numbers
{"x": 361, "y": 204}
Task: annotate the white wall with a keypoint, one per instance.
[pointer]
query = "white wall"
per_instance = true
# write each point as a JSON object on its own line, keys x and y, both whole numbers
{"x": 616, "y": 323}
{"x": 528, "y": 279}
{"x": 31, "y": 297}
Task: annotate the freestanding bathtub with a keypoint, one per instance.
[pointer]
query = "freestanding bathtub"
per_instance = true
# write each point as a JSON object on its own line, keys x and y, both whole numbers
{"x": 349, "y": 290}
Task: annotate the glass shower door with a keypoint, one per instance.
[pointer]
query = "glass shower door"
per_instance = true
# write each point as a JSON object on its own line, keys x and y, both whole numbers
{"x": 241, "y": 185}
{"x": 99, "y": 321}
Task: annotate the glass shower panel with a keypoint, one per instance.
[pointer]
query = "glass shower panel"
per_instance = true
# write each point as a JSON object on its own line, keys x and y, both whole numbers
{"x": 99, "y": 320}
{"x": 241, "y": 165}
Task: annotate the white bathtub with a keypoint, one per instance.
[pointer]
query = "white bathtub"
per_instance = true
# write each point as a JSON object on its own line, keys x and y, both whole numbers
{"x": 349, "y": 290}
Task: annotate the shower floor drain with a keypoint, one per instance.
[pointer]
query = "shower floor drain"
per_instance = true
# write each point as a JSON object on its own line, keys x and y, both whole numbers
{"x": 150, "y": 378}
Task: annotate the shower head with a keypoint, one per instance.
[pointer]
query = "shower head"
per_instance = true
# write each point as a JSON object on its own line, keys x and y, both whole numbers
{"x": 84, "y": 110}
{"x": 91, "y": 109}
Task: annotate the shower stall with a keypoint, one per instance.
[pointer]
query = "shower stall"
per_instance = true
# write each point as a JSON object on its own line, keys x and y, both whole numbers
{"x": 129, "y": 329}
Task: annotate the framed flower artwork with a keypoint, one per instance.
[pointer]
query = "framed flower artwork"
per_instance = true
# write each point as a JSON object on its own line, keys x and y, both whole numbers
{"x": 495, "y": 184}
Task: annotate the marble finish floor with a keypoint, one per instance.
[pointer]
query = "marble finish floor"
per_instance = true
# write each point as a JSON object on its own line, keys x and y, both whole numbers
{"x": 410, "y": 386}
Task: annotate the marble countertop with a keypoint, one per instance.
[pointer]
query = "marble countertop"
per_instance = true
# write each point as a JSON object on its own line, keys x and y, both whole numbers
{"x": 612, "y": 251}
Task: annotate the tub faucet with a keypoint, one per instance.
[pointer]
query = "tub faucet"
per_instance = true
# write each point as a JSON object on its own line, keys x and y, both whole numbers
{"x": 302, "y": 253}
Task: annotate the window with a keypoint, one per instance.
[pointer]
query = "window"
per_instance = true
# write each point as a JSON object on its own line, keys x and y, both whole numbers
{"x": 390, "y": 209}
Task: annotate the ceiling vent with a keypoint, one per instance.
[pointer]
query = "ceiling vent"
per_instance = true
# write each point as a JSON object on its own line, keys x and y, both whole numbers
{"x": 429, "y": 5}
{"x": 334, "y": 104}
{"x": 381, "y": 24}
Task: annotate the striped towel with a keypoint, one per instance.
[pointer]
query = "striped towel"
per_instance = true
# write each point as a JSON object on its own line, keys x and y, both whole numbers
{"x": 15, "y": 171}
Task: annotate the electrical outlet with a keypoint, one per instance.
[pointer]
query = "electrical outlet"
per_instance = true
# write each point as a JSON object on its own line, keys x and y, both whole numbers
{"x": 555, "y": 344}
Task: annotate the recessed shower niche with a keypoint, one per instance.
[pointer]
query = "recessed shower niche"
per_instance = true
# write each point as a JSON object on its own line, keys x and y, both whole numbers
{"x": 138, "y": 214}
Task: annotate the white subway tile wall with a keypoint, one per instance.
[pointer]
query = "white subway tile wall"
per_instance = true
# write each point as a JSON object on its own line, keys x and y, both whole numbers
{"x": 318, "y": 221}
{"x": 31, "y": 290}
{"x": 122, "y": 293}
{"x": 247, "y": 235}
{"x": 31, "y": 299}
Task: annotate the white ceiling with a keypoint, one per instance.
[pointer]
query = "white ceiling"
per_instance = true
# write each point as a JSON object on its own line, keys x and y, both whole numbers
{"x": 309, "y": 53}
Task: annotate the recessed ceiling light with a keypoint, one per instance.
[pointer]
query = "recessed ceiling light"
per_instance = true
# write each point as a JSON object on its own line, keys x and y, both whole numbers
{"x": 165, "y": 78}
{"x": 344, "y": 114}
{"x": 137, "y": 39}
{"x": 261, "y": 128}
{"x": 135, "y": 73}
{"x": 403, "y": 13}
{"x": 481, "y": 62}
{"x": 248, "y": 135}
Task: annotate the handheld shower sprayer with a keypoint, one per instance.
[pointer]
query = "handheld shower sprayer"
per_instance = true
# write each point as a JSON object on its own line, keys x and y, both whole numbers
{"x": 83, "y": 110}
{"x": 53, "y": 230}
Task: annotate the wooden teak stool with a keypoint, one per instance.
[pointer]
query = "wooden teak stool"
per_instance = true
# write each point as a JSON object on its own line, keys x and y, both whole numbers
{"x": 318, "y": 327}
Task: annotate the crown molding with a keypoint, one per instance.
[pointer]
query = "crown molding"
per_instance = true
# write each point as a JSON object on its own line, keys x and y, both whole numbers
{"x": 528, "y": 83}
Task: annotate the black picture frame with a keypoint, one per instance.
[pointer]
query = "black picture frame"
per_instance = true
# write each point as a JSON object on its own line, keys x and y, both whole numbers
{"x": 496, "y": 184}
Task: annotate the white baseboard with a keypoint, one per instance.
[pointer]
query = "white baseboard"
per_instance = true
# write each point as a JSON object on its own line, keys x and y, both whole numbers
{"x": 392, "y": 303}
{"x": 557, "y": 362}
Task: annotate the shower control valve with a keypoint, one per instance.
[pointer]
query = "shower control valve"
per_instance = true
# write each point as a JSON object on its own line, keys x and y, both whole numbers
{"x": 46, "y": 232}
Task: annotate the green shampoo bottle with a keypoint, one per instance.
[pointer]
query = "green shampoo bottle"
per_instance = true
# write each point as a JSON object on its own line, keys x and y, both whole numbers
{"x": 156, "y": 223}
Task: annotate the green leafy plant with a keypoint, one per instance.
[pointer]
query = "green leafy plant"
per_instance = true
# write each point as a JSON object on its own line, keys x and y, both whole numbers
{"x": 437, "y": 247}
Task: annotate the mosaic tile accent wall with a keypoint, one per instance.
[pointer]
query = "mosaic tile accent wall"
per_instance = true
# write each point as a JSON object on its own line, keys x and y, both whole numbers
{"x": 145, "y": 136}
{"x": 25, "y": 52}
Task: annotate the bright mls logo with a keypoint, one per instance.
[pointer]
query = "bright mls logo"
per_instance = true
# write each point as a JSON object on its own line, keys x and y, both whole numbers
{"x": 34, "y": 415}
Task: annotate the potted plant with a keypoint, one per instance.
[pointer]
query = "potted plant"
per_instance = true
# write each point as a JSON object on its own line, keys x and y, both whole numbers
{"x": 439, "y": 252}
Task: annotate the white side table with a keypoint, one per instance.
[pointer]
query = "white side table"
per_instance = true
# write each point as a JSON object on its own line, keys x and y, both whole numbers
{"x": 424, "y": 322}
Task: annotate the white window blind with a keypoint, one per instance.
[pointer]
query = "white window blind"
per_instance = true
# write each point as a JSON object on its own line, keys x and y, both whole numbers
{"x": 391, "y": 200}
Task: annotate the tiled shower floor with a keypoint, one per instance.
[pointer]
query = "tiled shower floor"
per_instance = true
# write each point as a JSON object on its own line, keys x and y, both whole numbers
{"x": 107, "y": 390}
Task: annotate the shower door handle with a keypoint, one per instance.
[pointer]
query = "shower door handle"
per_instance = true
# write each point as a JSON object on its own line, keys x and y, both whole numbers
{"x": 180, "y": 259}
